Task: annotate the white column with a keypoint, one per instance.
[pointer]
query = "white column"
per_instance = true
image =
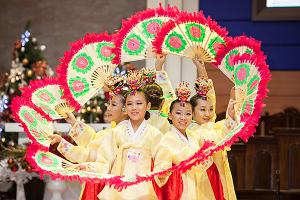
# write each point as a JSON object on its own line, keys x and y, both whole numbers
{"x": 190, "y": 5}
{"x": 188, "y": 71}
{"x": 178, "y": 68}
{"x": 154, "y": 4}
{"x": 56, "y": 188}
{"x": 173, "y": 63}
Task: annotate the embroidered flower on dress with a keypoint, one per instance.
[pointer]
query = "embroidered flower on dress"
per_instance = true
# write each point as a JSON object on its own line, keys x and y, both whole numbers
{"x": 134, "y": 155}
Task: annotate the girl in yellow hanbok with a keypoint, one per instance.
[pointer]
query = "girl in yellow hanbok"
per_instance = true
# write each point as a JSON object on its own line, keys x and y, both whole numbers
{"x": 204, "y": 103}
{"x": 83, "y": 135}
{"x": 161, "y": 94}
{"x": 131, "y": 149}
{"x": 87, "y": 139}
{"x": 157, "y": 100}
{"x": 157, "y": 118}
{"x": 181, "y": 143}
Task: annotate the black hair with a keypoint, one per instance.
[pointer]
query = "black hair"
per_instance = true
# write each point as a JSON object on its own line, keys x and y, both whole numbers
{"x": 103, "y": 108}
{"x": 194, "y": 100}
{"x": 122, "y": 97}
{"x": 155, "y": 94}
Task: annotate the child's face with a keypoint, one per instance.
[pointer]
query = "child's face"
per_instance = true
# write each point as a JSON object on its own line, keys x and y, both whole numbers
{"x": 181, "y": 116}
{"x": 114, "y": 109}
{"x": 204, "y": 111}
{"x": 136, "y": 106}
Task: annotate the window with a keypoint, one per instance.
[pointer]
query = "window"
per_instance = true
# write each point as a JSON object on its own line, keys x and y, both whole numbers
{"x": 283, "y": 3}
{"x": 275, "y": 10}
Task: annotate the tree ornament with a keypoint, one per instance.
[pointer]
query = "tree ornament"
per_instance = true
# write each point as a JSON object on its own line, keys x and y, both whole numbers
{"x": 34, "y": 40}
{"x": 28, "y": 168}
{"x": 3, "y": 102}
{"x": 24, "y": 164}
{"x": 11, "y": 143}
{"x": 18, "y": 44}
{"x": 29, "y": 73}
{"x": 10, "y": 161}
{"x": 40, "y": 67}
{"x": 14, "y": 168}
{"x": 25, "y": 61}
{"x": 43, "y": 47}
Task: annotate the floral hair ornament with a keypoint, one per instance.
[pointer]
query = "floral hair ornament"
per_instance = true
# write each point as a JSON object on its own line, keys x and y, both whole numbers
{"x": 149, "y": 75}
{"x": 134, "y": 80}
{"x": 114, "y": 84}
{"x": 183, "y": 92}
{"x": 203, "y": 86}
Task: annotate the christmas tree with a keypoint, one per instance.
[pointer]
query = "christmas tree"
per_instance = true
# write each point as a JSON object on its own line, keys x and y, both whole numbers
{"x": 27, "y": 64}
{"x": 93, "y": 110}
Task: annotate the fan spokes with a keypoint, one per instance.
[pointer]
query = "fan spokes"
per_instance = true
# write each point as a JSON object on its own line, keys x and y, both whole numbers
{"x": 63, "y": 108}
{"x": 100, "y": 75}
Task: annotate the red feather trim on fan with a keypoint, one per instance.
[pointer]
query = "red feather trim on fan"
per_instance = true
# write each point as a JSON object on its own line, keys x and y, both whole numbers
{"x": 33, "y": 86}
{"x": 232, "y": 43}
{"x": 203, "y": 153}
{"x": 133, "y": 20}
{"x": 76, "y": 46}
{"x": 159, "y": 39}
{"x": 16, "y": 104}
{"x": 252, "y": 120}
{"x": 184, "y": 17}
{"x": 208, "y": 148}
{"x": 115, "y": 181}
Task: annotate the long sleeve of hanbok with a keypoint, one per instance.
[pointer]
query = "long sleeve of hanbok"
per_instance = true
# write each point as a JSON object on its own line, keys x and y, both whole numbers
{"x": 162, "y": 79}
{"x": 164, "y": 82}
{"x": 162, "y": 160}
{"x": 160, "y": 154}
{"x": 87, "y": 141}
{"x": 222, "y": 128}
{"x": 231, "y": 119}
{"x": 216, "y": 132}
{"x": 129, "y": 154}
{"x": 180, "y": 149}
{"x": 221, "y": 160}
{"x": 82, "y": 134}
{"x": 159, "y": 122}
{"x": 105, "y": 155}
{"x": 75, "y": 154}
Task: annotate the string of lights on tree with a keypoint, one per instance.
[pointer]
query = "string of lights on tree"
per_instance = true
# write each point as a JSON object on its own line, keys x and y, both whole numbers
{"x": 27, "y": 64}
